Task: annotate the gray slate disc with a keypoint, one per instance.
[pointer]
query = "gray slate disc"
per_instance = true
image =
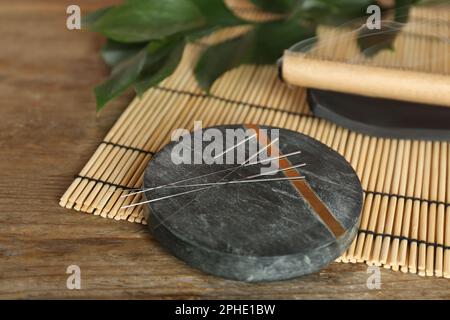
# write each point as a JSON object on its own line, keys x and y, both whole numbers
{"x": 257, "y": 231}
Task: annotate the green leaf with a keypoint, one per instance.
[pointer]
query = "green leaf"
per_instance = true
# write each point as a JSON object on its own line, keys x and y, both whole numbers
{"x": 217, "y": 16}
{"x": 89, "y": 19}
{"x": 277, "y": 6}
{"x": 114, "y": 52}
{"x": 158, "y": 69}
{"x": 264, "y": 44}
{"x": 143, "y": 20}
{"x": 122, "y": 77}
{"x": 402, "y": 8}
{"x": 370, "y": 42}
{"x": 425, "y": 2}
{"x": 222, "y": 57}
{"x": 150, "y": 65}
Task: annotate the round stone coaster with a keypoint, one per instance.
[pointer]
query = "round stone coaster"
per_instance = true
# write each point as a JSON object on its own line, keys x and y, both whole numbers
{"x": 258, "y": 231}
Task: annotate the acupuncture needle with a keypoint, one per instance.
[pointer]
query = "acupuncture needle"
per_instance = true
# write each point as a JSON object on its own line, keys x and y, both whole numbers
{"x": 275, "y": 171}
{"x": 217, "y": 156}
{"x": 208, "y": 185}
{"x": 190, "y": 191}
{"x": 212, "y": 173}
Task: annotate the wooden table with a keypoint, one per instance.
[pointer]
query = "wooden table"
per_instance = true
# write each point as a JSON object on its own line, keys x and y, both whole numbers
{"x": 48, "y": 131}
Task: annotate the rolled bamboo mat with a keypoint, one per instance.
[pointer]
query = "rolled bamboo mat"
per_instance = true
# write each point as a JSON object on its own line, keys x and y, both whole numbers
{"x": 405, "y": 223}
{"x": 417, "y": 69}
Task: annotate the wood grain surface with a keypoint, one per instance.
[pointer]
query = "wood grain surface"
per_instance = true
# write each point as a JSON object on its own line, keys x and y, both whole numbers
{"x": 49, "y": 130}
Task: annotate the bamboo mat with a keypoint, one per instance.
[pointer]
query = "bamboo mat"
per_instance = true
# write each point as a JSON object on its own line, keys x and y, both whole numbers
{"x": 405, "y": 222}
